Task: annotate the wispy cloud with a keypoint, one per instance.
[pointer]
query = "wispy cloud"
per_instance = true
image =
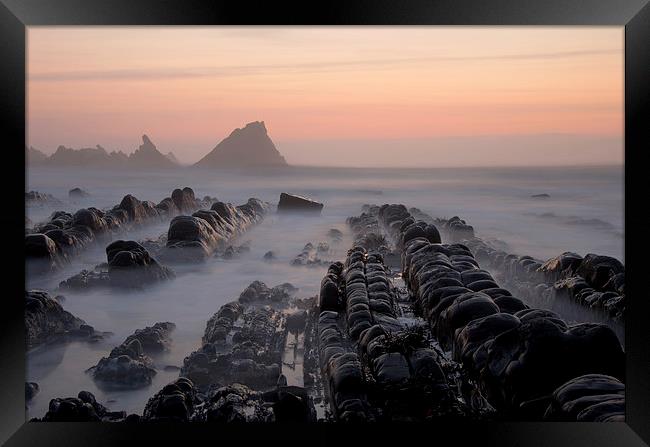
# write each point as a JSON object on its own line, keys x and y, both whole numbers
{"x": 308, "y": 67}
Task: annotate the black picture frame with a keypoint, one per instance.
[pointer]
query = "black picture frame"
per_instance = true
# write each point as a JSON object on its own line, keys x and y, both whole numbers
{"x": 634, "y": 15}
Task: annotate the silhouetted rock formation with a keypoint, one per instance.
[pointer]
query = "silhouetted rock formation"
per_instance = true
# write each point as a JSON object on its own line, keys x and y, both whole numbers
{"x": 172, "y": 157}
{"x": 247, "y": 147}
{"x": 147, "y": 156}
{"x": 296, "y": 203}
{"x": 96, "y": 157}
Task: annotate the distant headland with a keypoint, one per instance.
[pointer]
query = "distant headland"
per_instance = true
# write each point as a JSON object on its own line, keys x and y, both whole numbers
{"x": 249, "y": 146}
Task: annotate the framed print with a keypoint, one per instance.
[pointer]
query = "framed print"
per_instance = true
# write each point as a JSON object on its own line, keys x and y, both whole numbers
{"x": 362, "y": 222}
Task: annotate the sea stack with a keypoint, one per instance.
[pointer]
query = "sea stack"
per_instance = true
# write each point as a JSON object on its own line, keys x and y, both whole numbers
{"x": 148, "y": 156}
{"x": 250, "y": 146}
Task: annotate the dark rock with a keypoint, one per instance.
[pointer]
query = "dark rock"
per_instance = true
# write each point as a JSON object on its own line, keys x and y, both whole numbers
{"x": 296, "y": 203}
{"x": 592, "y": 397}
{"x": 174, "y": 403}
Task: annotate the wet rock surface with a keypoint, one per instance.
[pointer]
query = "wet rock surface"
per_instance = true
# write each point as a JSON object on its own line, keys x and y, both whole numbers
{"x": 420, "y": 320}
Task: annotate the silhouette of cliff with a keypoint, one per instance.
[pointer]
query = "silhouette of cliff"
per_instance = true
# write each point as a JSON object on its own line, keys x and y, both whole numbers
{"x": 147, "y": 156}
{"x": 34, "y": 156}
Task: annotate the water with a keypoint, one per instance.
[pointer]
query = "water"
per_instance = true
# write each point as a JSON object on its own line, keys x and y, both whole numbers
{"x": 584, "y": 214}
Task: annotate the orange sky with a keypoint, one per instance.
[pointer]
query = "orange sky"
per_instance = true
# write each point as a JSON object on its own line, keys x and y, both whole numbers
{"x": 188, "y": 87}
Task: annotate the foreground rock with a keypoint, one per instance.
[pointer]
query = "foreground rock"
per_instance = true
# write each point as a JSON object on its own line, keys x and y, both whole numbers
{"x": 129, "y": 365}
{"x": 129, "y": 266}
{"x": 197, "y": 237}
{"x": 518, "y": 358}
{"x": 588, "y": 398}
{"x": 47, "y": 321}
{"x": 181, "y": 401}
{"x": 296, "y": 203}
{"x": 83, "y": 408}
{"x": 406, "y": 381}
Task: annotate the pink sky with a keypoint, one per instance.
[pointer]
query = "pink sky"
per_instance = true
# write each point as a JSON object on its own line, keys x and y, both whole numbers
{"x": 410, "y": 89}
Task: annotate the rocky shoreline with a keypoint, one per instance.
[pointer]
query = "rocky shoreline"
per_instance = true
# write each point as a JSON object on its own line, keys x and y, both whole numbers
{"x": 420, "y": 320}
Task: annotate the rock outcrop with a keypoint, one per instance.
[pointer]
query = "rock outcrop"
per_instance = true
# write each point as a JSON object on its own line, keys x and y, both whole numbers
{"x": 50, "y": 245}
{"x": 129, "y": 365}
{"x": 246, "y": 147}
{"x": 129, "y": 266}
{"x": 47, "y": 321}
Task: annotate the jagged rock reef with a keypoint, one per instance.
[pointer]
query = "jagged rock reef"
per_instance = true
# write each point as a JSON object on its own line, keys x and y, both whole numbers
{"x": 51, "y": 244}
{"x": 197, "y": 237}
